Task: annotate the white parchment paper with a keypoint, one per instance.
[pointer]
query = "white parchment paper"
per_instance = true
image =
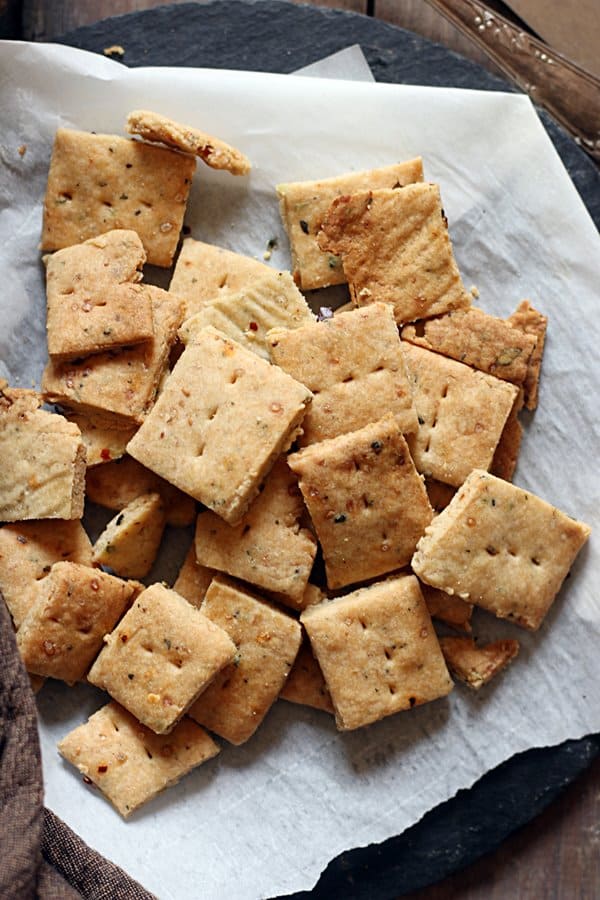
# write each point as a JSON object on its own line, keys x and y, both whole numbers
{"x": 265, "y": 818}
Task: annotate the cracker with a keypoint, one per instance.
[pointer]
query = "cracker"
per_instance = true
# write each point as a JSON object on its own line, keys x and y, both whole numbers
{"x": 93, "y": 300}
{"x": 500, "y": 547}
{"x": 214, "y": 152}
{"x": 378, "y": 651}
{"x": 304, "y": 205}
{"x": 102, "y": 443}
{"x": 395, "y": 248}
{"x": 532, "y": 322}
{"x": 193, "y": 579}
{"x": 74, "y": 607}
{"x": 223, "y": 418}
{"x": 439, "y": 494}
{"x": 247, "y": 315}
{"x": 129, "y": 543}
{"x": 129, "y": 763}
{"x": 122, "y": 383}
{"x": 27, "y": 552}
{"x": 98, "y": 182}
{"x": 354, "y": 366}
{"x": 461, "y": 413}
{"x": 477, "y": 339}
{"x": 506, "y": 454}
{"x": 450, "y": 609}
{"x": 367, "y": 502}
{"x": 163, "y": 653}
{"x": 305, "y": 684}
{"x": 475, "y": 665}
{"x": 204, "y": 272}
{"x": 42, "y": 475}
{"x": 267, "y": 548}
{"x": 267, "y": 642}
{"x": 116, "y": 484}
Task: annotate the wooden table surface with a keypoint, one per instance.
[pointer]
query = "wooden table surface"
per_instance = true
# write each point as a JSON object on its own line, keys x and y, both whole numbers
{"x": 557, "y": 855}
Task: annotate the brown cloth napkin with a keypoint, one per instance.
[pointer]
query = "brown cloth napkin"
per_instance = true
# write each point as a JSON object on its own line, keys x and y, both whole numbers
{"x": 40, "y": 857}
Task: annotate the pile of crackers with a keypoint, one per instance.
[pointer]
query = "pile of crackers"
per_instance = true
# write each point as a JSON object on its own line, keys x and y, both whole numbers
{"x": 348, "y": 474}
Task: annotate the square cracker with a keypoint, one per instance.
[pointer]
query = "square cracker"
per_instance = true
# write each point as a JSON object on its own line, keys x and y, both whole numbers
{"x": 475, "y": 665}
{"x": 354, "y": 366}
{"x": 448, "y": 608}
{"x": 223, "y": 418}
{"x": 204, "y": 272}
{"x": 214, "y": 152}
{"x": 74, "y": 608}
{"x": 247, "y": 315}
{"x": 93, "y": 300}
{"x": 305, "y": 684}
{"x": 98, "y": 182}
{"x": 103, "y": 443}
{"x": 477, "y": 339}
{"x": 304, "y": 204}
{"x": 267, "y": 548}
{"x": 267, "y": 642}
{"x": 462, "y": 413}
{"x": 42, "y": 475}
{"x": 128, "y": 762}
{"x": 121, "y": 383}
{"x": 27, "y": 552}
{"x": 367, "y": 502}
{"x": 193, "y": 580}
{"x": 500, "y": 547}
{"x": 129, "y": 543}
{"x": 378, "y": 651}
{"x": 163, "y": 653}
{"x": 395, "y": 248}
{"x": 532, "y": 322}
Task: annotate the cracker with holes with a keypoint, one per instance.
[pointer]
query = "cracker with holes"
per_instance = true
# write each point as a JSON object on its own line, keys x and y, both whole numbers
{"x": 129, "y": 543}
{"x": 116, "y": 484}
{"x": 74, "y": 607}
{"x": 501, "y": 548}
{"x": 476, "y": 666}
{"x": 267, "y": 642}
{"x": 532, "y": 322}
{"x": 102, "y": 442}
{"x": 28, "y": 550}
{"x": 305, "y": 684}
{"x": 462, "y": 414}
{"x": 304, "y": 205}
{"x": 212, "y": 150}
{"x": 93, "y": 300}
{"x": 161, "y": 656}
{"x": 395, "y": 248}
{"x": 128, "y": 762}
{"x": 42, "y": 475}
{"x": 119, "y": 387}
{"x": 448, "y": 608}
{"x": 267, "y": 548}
{"x": 378, "y": 651}
{"x": 204, "y": 272}
{"x": 193, "y": 580}
{"x": 98, "y": 182}
{"x": 367, "y": 502}
{"x": 354, "y": 368}
{"x": 222, "y": 420}
{"x": 247, "y": 315}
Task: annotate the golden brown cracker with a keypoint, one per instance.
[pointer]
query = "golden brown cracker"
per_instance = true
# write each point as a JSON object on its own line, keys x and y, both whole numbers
{"x": 477, "y": 665}
{"x": 532, "y": 322}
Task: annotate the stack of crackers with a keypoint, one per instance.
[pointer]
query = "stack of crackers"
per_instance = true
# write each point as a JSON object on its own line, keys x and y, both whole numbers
{"x": 349, "y": 475}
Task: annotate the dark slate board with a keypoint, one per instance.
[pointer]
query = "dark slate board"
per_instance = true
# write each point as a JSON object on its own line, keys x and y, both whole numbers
{"x": 273, "y": 36}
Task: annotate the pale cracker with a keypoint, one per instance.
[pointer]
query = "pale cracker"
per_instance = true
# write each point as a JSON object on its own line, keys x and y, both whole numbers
{"x": 129, "y": 543}
{"x": 98, "y": 182}
{"x": 193, "y": 579}
{"x": 128, "y": 762}
{"x": 247, "y": 315}
{"x": 267, "y": 548}
{"x": 532, "y": 322}
{"x": 354, "y": 366}
{"x": 223, "y": 418}
{"x": 395, "y": 248}
{"x": 122, "y": 383}
{"x": 461, "y": 413}
{"x": 448, "y": 608}
{"x": 267, "y": 642}
{"x": 214, "y": 152}
{"x": 304, "y": 205}
{"x": 367, "y": 502}
{"x": 501, "y": 548}
{"x": 475, "y": 665}
{"x": 102, "y": 443}
{"x": 378, "y": 651}
{"x": 42, "y": 475}
{"x": 74, "y": 607}
{"x": 27, "y": 552}
{"x": 163, "y": 653}
{"x": 305, "y": 684}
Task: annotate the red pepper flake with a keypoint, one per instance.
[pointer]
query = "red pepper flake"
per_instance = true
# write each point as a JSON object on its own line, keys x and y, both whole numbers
{"x": 253, "y": 326}
{"x": 102, "y": 769}
{"x": 105, "y": 454}
{"x": 124, "y": 638}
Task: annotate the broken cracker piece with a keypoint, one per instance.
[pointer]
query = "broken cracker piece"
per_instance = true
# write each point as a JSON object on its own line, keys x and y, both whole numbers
{"x": 129, "y": 543}
{"x": 475, "y": 665}
{"x": 102, "y": 442}
{"x": 448, "y": 608}
{"x": 193, "y": 580}
{"x": 532, "y": 322}
{"x": 305, "y": 684}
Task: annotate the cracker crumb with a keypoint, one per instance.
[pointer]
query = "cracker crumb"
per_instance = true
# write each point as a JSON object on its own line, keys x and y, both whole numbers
{"x": 114, "y": 50}
{"x": 22, "y": 150}
{"x": 474, "y": 291}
